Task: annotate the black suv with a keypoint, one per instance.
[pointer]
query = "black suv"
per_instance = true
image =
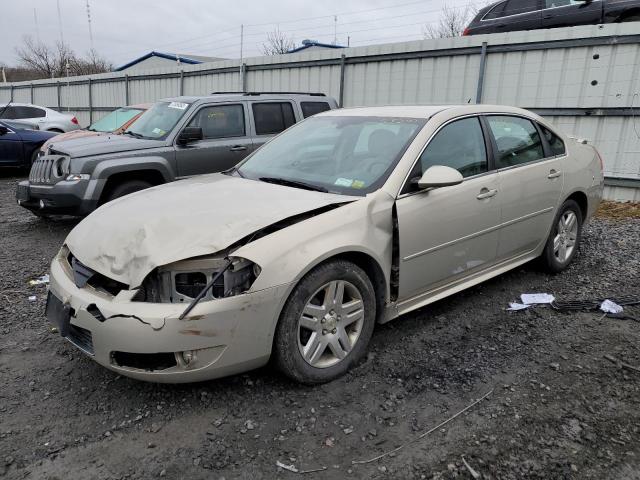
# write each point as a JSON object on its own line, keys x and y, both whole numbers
{"x": 511, "y": 15}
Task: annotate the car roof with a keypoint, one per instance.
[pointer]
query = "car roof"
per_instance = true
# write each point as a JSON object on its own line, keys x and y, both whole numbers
{"x": 425, "y": 111}
{"x": 231, "y": 96}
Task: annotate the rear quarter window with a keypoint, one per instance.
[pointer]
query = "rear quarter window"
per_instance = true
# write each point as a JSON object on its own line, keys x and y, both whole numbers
{"x": 312, "y": 108}
{"x": 555, "y": 142}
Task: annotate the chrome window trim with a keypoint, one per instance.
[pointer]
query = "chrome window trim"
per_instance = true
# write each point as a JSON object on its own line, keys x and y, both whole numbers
{"x": 413, "y": 165}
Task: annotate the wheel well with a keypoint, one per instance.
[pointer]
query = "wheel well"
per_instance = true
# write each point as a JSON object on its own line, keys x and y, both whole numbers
{"x": 57, "y": 130}
{"x": 154, "y": 177}
{"x": 373, "y": 271}
{"x": 581, "y": 199}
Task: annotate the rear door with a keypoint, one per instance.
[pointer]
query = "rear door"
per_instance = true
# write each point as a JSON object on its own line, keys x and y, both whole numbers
{"x": 271, "y": 118}
{"x": 10, "y": 147}
{"x": 530, "y": 179}
{"x": 449, "y": 233}
{"x": 512, "y": 15}
{"x": 226, "y": 140}
{"x": 565, "y": 13}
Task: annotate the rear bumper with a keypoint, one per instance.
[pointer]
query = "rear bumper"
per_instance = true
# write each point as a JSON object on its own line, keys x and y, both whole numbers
{"x": 222, "y": 337}
{"x": 62, "y": 198}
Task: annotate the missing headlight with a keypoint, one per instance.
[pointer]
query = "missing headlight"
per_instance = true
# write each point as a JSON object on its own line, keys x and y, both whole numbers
{"x": 181, "y": 282}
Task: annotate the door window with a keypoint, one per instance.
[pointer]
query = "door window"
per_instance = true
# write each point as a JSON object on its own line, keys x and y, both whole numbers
{"x": 512, "y": 7}
{"x": 220, "y": 121}
{"x": 517, "y": 140}
{"x": 31, "y": 112}
{"x": 561, "y": 3}
{"x": 458, "y": 145}
{"x": 311, "y": 108}
{"x": 273, "y": 117}
{"x": 555, "y": 143}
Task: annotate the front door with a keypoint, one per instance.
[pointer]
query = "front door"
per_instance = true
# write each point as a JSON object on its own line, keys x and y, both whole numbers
{"x": 10, "y": 147}
{"x": 226, "y": 140}
{"x": 567, "y": 13}
{"x": 530, "y": 184}
{"x": 451, "y": 232}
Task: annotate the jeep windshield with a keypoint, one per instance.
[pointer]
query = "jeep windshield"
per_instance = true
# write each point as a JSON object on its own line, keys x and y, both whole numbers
{"x": 157, "y": 122}
{"x": 338, "y": 154}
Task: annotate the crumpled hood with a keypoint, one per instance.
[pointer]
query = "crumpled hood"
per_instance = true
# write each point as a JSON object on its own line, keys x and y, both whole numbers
{"x": 103, "y": 144}
{"x": 127, "y": 238}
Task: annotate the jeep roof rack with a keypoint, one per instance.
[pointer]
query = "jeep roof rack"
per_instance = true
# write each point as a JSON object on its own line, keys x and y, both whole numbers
{"x": 313, "y": 94}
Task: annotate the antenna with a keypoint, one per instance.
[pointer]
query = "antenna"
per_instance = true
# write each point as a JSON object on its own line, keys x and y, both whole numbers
{"x": 60, "y": 22}
{"x": 89, "y": 21}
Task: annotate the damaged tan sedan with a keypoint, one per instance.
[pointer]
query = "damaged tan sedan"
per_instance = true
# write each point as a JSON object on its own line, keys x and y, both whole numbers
{"x": 349, "y": 218}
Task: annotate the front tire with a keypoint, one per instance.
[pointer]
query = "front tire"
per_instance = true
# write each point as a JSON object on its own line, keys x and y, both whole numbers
{"x": 125, "y": 188}
{"x": 564, "y": 240}
{"x": 326, "y": 324}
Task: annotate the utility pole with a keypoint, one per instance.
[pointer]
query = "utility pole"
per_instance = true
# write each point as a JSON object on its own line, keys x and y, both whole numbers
{"x": 89, "y": 21}
{"x": 35, "y": 19}
{"x": 60, "y": 22}
{"x": 241, "y": 55}
{"x": 335, "y": 29}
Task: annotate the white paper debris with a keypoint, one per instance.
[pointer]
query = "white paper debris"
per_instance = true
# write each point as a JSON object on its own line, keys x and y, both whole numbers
{"x": 291, "y": 468}
{"x": 537, "y": 298}
{"x": 43, "y": 280}
{"x": 513, "y": 306}
{"x": 610, "y": 307}
{"x": 32, "y": 298}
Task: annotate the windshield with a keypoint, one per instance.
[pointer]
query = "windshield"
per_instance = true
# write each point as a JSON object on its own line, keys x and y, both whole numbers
{"x": 157, "y": 122}
{"x": 347, "y": 155}
{"x": 115, "y": 120}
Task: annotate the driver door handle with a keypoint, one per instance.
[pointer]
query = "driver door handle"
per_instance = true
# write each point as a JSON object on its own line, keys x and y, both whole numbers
{"x": 554, "y": 174}
{"x": 238, "y": 148}
{"x": 486, "y": 193}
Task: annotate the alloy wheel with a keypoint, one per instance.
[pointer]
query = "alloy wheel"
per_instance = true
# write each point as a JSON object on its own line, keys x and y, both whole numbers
{"x": 564, "y": 243}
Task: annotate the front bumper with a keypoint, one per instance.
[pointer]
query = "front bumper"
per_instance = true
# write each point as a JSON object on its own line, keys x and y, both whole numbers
{"x": 62, "y": 198}
{"x": 222, "y": 337}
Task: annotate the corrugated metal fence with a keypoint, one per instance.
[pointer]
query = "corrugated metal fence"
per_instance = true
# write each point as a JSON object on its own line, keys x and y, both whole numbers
{"x": 584, "y": 79}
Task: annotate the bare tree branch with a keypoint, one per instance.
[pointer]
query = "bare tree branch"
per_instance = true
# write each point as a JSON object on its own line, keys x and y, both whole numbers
{"x": 277, "y": 43}
{"x": 452, "y": 22}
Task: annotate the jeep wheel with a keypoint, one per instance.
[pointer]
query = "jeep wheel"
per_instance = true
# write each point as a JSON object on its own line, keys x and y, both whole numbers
{"x": 125, "y": 188}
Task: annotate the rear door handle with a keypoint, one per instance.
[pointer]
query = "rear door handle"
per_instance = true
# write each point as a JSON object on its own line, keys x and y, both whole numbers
{"x": 238, "y": 148}
{"x": 554, "y": 174}
{"x": 486, "y": 193}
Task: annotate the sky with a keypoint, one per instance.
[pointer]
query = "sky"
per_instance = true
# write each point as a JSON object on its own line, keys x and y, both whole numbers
{"x": 124, "y": 30}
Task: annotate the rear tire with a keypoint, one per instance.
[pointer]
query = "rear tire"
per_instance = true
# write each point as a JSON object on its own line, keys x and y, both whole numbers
{"x": 564, "y": 240}
{"x": 125, "y": 188}
{"x": 55, "y": 130}
{"x": 631, "y": 18}
{"x": 326, "y": 324}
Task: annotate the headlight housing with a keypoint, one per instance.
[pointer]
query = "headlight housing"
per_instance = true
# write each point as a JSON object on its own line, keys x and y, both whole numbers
{"x": 182, "y": 281}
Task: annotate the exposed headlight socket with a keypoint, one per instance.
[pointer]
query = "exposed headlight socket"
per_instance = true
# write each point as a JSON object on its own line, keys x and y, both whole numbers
{"x": 188, "y": 357}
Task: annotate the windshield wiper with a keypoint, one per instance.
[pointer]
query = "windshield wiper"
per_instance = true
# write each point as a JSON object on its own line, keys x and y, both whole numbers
{"x": 293, "y": 183}
{"x": 133, "y": 134}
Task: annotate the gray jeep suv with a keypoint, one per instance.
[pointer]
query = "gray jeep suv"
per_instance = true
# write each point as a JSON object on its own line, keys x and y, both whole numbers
{"x": 176, "y": 138}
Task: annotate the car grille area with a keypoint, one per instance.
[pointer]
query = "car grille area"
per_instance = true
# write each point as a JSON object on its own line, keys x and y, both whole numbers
{"x": 46, "y": 170}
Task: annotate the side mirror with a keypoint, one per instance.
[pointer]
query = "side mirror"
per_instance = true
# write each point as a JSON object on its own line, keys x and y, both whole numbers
{"x": 190, "y": 134}
{"x": 3, "y": 130}
{"x": 440, "y": 176}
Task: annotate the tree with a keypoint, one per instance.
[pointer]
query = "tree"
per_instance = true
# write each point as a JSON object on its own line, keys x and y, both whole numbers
{"x": 277, "y": 43}
{"x": 38, "y": 60}
{"x": 452, "y": 22}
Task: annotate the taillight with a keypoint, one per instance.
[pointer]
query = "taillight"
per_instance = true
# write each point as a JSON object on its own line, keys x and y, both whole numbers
{"x": 74, "y": 120}
{"x": 466, "y": 32}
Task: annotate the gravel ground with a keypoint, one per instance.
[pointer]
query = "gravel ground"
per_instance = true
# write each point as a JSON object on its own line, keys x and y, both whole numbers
{"x": 558, "y": 408}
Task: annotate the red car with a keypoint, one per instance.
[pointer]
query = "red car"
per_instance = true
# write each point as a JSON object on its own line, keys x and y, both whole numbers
{"x": 114, "y": 123}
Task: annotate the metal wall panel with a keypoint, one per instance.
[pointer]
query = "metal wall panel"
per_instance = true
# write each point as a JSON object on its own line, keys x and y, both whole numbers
{"x": 46, "y": 96}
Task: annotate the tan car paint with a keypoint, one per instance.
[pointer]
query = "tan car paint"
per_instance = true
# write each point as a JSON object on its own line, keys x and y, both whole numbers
{"x": 126, "y": 239}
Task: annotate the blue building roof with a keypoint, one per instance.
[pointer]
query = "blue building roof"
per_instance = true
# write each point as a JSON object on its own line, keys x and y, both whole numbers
{"x": 312, "y": 43}
{"x": 168, "y": 56}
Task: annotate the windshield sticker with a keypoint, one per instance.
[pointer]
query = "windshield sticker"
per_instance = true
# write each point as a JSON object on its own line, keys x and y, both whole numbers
{"x": 158, "y": 131}
{"x": 357, "y": 184}
{"x": 178, "y": 105}
{"x": 343, "y": 182}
